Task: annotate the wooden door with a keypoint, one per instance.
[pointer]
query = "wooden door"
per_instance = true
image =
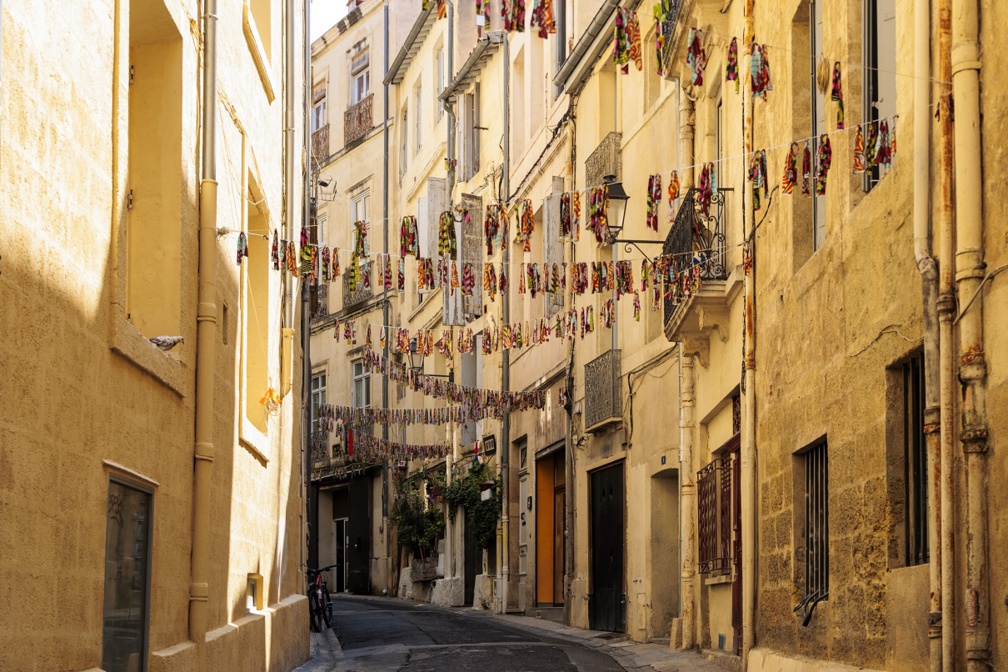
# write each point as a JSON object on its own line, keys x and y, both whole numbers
{"x": 607, "y": 548}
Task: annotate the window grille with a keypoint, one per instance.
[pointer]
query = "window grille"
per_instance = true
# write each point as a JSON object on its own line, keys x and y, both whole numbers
{"x": 915, "y": 471}
{"x": 817, "y": 523}
{"x": 714, "y": 500}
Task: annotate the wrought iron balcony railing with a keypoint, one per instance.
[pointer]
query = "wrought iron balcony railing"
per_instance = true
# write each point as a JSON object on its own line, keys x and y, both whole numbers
{"x": 604, "y": 160}
{"x": 697, "y": 239}
{"x": 674, "y": 10}
{"x": 358, "y": 120}
{"x": 353, "y": 296}
{"x": 603, "y": 401}
{"x": 320, "y": 144}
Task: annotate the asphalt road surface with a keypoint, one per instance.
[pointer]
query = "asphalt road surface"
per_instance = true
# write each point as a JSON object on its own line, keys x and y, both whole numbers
{"x": 395, "y": 635}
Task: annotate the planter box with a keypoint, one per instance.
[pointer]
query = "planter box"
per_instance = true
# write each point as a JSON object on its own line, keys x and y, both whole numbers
{"x": 423, "y": 570}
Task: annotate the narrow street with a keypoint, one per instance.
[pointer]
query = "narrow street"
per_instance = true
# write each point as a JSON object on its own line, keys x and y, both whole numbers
{"x": 371, "y": 634}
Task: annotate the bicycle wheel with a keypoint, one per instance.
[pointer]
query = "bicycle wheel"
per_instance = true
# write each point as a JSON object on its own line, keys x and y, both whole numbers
{"x": 314, "y": 612}
{"x": 326, "y": 607}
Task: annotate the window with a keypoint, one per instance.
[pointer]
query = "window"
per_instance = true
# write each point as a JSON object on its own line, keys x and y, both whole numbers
{"x": 417, "y": 107}
{"x": 879, "y": 70}
{"x": 559, "y": 42}
{"x": 719, "y": 168}
{"x": 318, "y": 398}
{"x": 440, "y": 65}
{"x": 262, "y": 19}
{"x": 361, "y": 385}
{"x": 360, "y": 76}
{"x": 818, "y": 118}
{"x": 126, "y": 609}
{"x": 359, "y": 210}
{"x": 717, "y": 483}
{"x": 816, "y": 523}
{"x": 255, "y": 308}
{"x": 907, "y": 463}
{"x": 320, "y": 223}
{"x": 403, "y": 155}
{"x": 470, "y": 131}
{"x": 153, "y": 240}
{"x": 318, "y": 115}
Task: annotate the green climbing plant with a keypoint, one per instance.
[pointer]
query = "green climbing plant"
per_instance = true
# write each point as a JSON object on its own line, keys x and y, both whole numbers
{"x": 465, "y": 492}
{"x": 419, "y": 526}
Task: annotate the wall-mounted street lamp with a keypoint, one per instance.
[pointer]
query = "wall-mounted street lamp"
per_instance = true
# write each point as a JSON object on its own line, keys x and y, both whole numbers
{"x": 416, "y": 362}
{"x": 617, "y": 206}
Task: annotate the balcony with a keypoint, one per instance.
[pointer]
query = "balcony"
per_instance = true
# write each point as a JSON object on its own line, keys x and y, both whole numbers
{"x": 320, "y": 144}
{"x": 353, "y": 297}
{"x": 604, "y": 160}
{"x": 697, "y": 240}
{"x": 603, "y": 403}
{"x": 358, "y": 120}
{"x": 672, "y": 36}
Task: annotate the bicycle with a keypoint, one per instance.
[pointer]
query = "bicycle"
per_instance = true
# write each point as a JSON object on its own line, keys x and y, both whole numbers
{"x": 319, "y": 601}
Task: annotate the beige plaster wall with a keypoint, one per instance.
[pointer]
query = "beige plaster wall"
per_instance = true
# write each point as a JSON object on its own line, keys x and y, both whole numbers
{"x": 88, "y": 396}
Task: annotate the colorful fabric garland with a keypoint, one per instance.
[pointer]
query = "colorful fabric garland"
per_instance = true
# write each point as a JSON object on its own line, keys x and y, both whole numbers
{"x": 653, "y": 199}
{"x": 627, "y": 40}
{"x": 695, "y": 56}
{"x": 731, "y": 68}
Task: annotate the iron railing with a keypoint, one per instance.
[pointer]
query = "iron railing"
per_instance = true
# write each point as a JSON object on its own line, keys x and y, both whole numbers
{"x": 320, "y": 144}
{"x": 697, "y": 239}
{"x": 603, "y": 402}
{"x": 355, "y": 295}
{"x": 604, "y": 160}
{"x": 358, "y": 120}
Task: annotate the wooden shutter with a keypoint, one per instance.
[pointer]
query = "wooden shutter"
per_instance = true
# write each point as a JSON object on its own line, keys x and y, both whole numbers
{"x": 472, "y": 253}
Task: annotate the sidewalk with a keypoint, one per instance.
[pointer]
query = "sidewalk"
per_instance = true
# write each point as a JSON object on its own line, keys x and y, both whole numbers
{"x": 626, "y": 652}
{"x": 326, "y": 652}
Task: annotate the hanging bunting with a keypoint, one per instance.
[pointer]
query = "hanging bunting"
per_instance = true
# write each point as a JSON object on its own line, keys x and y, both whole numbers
{"x": 627, "y": 40}
{"x": 525, "y": 225}
{"x": 673, "y": 194}
{"x": 695, "y": 56}
{"x": 837, "y": 96}
{"x": 824, "y": 160}
{"x": 653, "y": 199}
{"x": 408, "y": 244}
{"x": 806, "y": 168}
{"x": 759, "y": 71}
{"x": 542, "y": 16}
{"x": 275, "y": 252}
{"x": 731, "y": 68}
{"x": 242, "y": 248}
{"x": 447, "y": 242}
{"x": 859, "y": 151}
{"x": 758, "y": 176}
{"x": 565, "y": 215}
{"x": 790, "y": 177}
{"x": 705, "y": 188}
{"x": 661, "y": 11}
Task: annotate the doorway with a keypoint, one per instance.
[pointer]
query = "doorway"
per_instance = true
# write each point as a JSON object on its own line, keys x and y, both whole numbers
{"x": 339, "y": 554}
{"x": 551, "y": 515}
{"x": 606, "y": 602}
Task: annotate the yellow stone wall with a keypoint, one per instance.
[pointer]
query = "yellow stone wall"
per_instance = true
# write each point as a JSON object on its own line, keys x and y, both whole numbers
{"x": 87, "y": 396}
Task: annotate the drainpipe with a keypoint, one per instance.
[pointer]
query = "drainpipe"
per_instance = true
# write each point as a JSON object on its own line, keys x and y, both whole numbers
{"x": 206, "y": 328}
{"x": 386, "y": 559}
{"x": 287, "y": 352}
{"x": 748, "y": 449}
{"x": 505, "y": 353}
{"x": 687, "y": 493}
{"x": 307, "y": 218}
{"x": 970, "y": 269}
{"x": 929, "y": 284}
{"x": 570, "y": 487}
{"x": 946, "y": 344}
{"x": 450, "y": 546}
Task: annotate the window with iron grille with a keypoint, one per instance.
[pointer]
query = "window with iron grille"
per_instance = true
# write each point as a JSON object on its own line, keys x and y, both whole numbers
{"x": 915, "y": 495}
{"x": 714, "y": 524}
{"x": 816, "y": 462}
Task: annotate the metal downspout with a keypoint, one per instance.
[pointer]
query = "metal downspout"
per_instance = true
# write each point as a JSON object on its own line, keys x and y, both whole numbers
{"x": 570, "y": 489}
{"x": 929, "y": 287}
{"x": 308, "y": 218}
{"x": 386, "y": 559}
{"x": 206, "y": 327}
{"x": 946, "y": 344}
{"x": 505, "y": 448}
{"x": 748, "y": 449}
{"x": 450, "y": 546}
{"x": 970, "y": 269}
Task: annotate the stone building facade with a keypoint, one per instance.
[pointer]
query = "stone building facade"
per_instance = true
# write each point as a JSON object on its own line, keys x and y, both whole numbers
{"x": 157, "y": 551}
